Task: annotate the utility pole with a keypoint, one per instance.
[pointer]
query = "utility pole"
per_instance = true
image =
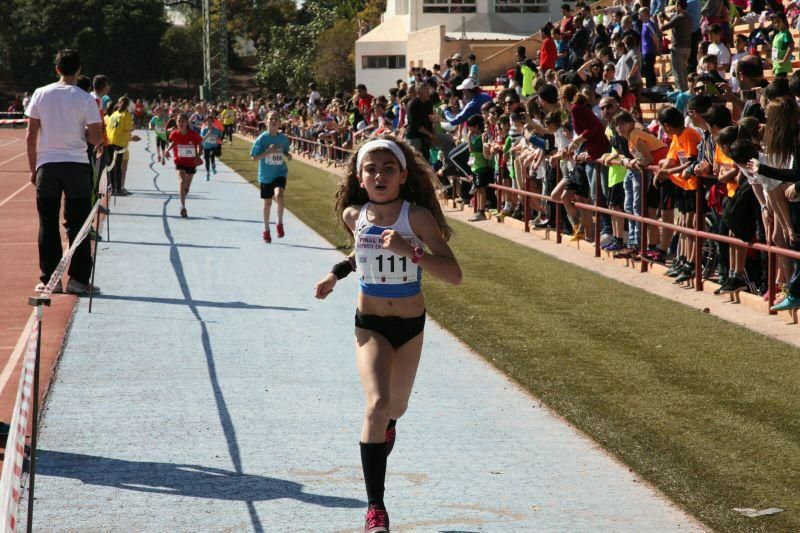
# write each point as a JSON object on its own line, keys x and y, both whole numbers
{"x": 215, "y": 50}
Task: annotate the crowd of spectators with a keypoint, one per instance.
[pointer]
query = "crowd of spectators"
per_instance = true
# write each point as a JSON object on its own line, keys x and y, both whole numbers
{"x": 568, "y": 123}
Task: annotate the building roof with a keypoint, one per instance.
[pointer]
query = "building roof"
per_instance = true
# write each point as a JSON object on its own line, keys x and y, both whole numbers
{"x": 391, "y": 29}
{"x": 485, "y": 36}
{"x": 487, "y": 23}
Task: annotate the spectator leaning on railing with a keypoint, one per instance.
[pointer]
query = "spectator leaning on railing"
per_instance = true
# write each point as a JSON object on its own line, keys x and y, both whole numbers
{"x": 546, "y": 131}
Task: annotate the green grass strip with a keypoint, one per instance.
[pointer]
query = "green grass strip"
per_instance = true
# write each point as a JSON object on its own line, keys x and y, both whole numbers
{"x": 705, "y": 410}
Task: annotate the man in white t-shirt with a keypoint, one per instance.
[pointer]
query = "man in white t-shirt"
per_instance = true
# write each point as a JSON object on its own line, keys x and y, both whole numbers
{"x": 719, "y": 49}
{"x": 62, "y": 119}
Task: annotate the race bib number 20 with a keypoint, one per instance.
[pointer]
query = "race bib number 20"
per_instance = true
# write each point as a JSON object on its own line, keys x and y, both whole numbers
{"x": 186, "y": 151}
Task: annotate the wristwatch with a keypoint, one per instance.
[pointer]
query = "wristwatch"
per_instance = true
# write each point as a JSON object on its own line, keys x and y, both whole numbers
{"x": 419, "y": 253}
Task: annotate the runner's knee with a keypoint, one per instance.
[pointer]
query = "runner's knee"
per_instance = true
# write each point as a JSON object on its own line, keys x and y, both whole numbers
{"x": 397, "y": 411}
{"x": 377, "y": 411}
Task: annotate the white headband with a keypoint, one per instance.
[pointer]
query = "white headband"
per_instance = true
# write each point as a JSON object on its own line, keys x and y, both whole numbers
{"x": 381, "y": 144}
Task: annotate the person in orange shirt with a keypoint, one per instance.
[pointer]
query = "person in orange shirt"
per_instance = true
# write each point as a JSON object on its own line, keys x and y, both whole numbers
{"x": 675, "y": 167}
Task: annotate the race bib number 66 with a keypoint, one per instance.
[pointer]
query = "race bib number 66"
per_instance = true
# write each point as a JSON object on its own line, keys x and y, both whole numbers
{"x": 274, "y": 159}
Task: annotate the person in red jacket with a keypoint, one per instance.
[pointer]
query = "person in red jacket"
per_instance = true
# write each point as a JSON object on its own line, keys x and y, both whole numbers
{"x": 548, "y": 52}
{"x": 186, "y": 147}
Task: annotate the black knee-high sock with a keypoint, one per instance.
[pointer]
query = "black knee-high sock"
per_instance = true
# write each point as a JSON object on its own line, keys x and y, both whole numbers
{"x": 373, "y": 461}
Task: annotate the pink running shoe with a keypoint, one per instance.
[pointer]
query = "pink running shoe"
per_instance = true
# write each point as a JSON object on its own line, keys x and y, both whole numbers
{"x": 377, "y": 521}
{"x": 279, "y": 227}
{"x": 267, "y": 237}
{"x": 391, "y": 435}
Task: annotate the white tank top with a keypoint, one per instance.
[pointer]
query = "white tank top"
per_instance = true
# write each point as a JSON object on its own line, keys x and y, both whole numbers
{"x": 381, "y": 272}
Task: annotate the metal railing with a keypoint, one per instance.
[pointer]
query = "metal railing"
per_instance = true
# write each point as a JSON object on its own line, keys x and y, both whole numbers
{"x": 696, "y": 232}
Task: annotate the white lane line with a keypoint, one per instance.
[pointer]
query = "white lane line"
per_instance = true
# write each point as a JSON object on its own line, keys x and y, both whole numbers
{"x": 15, "y": 193}
{"x": 13, "y": 158}
{"x": 12, "y": 141}
{"x": 19, "y": 349}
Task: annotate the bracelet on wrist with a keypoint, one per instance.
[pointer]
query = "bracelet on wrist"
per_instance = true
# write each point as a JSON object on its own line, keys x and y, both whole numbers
{"x": 343, "y": 268}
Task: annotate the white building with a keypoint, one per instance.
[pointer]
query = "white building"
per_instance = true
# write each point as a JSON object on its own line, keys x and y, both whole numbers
{"x": 421, "y": 33}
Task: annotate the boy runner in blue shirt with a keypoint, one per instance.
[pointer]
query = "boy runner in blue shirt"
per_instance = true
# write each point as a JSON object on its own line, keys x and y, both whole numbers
{"x": 271, "y": 150}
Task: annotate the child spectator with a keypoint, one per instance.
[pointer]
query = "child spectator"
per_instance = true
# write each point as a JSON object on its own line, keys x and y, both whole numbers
{"x": 675, "y": 167}
{"x": 481, "y": 171}
{"x": 782, "y": 46}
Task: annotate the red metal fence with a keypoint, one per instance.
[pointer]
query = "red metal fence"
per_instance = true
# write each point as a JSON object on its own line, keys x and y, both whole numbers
{"x": 339, "y": 156}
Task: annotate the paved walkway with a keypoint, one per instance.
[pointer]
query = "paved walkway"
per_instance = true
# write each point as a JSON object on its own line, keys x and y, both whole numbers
{"x": 209, "y": 391}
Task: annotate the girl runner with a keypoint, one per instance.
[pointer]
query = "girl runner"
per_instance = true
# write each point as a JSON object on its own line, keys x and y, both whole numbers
{"x": 388, "y": 204}
{"x": 159, "y": 124}
{"x": 270, "y": 149}
{"x": 185, "y": 145}
{"x": 211, "y": 136}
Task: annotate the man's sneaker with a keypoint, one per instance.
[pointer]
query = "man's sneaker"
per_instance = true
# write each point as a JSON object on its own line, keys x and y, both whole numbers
{"x": 376, "y": 521}
{"x": 517, "y": 213}
{"x": 214, "y": 170}
{"x": 735, "y": 284}
{"x": 542, "y": 224}
{"x": 391, "y": 436}
{"x": 76, "y": 287}
{"x": 577, "y": 235}
{"x": 723, "y": 281}
{"x": 58, "y": 289}
{"x": 655, "y": 255}
{"x": 125, "y": 192}
{"x": 103, "y": 210}
{"x": 281, "y": 233}
{"x": 675, "y": 268}
{"x": 686, "y": 273}
{"x": 267, "y": 237}
{"x": 788, "y": 303}
{"x": 615, "y": 246}
{"x": 626, "y": 253}
{"x": 606, "y": 239}
{"x": 94, "y": 236}
{"x": 480, "y": 215}
{"x": 184, "y": 213}
{"x": 507, "y": 210}
{"x": 208, "y": 176}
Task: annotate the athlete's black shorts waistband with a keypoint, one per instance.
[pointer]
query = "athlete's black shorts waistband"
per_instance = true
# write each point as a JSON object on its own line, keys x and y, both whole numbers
{"x": 396, "y": 330}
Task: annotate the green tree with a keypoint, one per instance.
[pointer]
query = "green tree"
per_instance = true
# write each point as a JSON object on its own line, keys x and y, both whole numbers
{"x": 119, "y": 38}
{"x": 334, "y": 67}
{"x": 288, "y": 63}
{"x": 182, "y": 55}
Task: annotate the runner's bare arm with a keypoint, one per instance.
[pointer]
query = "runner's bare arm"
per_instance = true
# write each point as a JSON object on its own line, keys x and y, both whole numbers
{"x": 94, "y": 133}
{"x": 440, "y": 262}
{"x": 31, "y": 139}
{"x": 325, "y": 286}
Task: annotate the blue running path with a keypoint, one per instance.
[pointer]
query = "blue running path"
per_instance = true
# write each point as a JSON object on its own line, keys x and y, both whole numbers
{"x": 209, "y": 391}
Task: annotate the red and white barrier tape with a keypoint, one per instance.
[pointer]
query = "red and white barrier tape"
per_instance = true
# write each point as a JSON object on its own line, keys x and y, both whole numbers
{"x": 65, "y": 259}
{"x": 11, "y": 479}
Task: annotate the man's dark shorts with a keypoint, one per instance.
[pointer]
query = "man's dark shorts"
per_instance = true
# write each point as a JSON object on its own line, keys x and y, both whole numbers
{"x": 482, "y": 177}
{"x": 187, "y": 169}
{"x": 268, "y": 189}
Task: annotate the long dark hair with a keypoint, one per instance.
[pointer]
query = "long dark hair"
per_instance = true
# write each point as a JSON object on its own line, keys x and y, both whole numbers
{"x": 781, "y": 131}
{"x": 419, "y": 189}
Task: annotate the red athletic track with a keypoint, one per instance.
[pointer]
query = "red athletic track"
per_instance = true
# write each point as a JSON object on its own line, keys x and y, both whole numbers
{"x": 19, "y": 269}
